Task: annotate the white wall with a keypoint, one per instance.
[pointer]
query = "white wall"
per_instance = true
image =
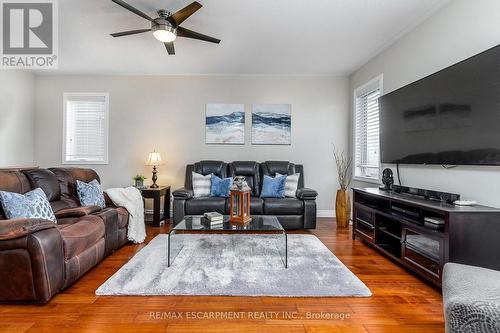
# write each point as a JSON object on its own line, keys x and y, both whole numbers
{"x": 17, "y": 91}
{"x": 459, "y": 30}
{"x": 168, "y": 114}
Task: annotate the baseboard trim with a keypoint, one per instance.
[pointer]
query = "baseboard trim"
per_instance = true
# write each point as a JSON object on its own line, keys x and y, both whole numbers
{"x": 325, "y": 213}
{"x": 150, "y": 212}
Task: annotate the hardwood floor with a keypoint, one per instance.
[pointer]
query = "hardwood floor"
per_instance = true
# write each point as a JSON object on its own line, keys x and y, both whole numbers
{"x": 400, "y": 303}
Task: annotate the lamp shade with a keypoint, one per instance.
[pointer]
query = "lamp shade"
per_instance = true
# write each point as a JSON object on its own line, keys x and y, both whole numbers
{"x": 154, "y": 158}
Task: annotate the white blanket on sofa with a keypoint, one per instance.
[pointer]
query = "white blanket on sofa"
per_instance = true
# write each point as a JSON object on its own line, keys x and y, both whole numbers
{"x": 131, "y": 199}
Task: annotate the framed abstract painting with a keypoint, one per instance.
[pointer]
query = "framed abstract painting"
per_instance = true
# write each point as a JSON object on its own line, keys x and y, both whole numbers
{"x": 225, "y": 124}
{"x": 271, "y": 124}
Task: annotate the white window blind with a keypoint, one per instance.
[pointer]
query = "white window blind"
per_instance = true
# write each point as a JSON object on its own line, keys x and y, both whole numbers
{"x": 85, "y": 129}
{"x": 367, "y": 158}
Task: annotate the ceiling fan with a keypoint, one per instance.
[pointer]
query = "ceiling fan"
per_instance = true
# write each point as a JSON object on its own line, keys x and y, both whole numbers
{"x": 166, "y": 27}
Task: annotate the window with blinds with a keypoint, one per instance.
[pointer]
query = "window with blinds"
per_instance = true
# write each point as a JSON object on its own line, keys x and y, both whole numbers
{"x": 85, "y": 129}
{"x": 367, "y": 147}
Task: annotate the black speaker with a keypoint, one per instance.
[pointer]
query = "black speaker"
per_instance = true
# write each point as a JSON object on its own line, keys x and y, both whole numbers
{"x": 427, "y": 194}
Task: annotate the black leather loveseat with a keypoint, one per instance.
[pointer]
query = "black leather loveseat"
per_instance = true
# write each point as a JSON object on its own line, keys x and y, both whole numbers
{"x": 293, "y": 213}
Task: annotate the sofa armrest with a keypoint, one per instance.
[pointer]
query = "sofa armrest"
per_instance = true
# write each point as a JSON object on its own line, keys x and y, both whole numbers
{"x": 76, "y": 211}
{"x": 31, "y": 250}
{"x": 182, "y": 193}
{"x": 16, "y": 228}
{"x": 108, "y": 201}
{"x": 306, "y": 194}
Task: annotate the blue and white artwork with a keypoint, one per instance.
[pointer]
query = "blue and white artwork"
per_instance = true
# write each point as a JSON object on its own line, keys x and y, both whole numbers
{"x": 225, "y": 124}
{"x": 271, "y": 124}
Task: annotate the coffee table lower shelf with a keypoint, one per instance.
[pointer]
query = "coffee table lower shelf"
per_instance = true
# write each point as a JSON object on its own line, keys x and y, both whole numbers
{"x": 259, "y": 225}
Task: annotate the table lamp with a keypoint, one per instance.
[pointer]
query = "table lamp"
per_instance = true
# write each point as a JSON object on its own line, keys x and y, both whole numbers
{"x": 154, "y": 159}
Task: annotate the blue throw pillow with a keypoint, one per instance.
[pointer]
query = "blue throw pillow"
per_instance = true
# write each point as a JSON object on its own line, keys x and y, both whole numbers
{"x": 273, "y": 187}
{"x": 220, "y": 187}
{"x": 90, "y": 194}
{"x": 33, "y": 204}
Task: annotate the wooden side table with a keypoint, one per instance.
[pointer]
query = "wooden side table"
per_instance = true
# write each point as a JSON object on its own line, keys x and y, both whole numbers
{"x": 156, "y": 194}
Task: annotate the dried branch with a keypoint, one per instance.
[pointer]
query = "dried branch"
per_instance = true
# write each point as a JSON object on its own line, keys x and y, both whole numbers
{"x": 344, "y": 170}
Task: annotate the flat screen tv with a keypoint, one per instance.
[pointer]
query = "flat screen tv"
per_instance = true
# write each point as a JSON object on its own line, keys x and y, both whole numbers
{"x": 451, "y": 117}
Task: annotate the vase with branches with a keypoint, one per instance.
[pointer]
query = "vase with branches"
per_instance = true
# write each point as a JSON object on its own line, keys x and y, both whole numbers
{"x": 342, "y": 201}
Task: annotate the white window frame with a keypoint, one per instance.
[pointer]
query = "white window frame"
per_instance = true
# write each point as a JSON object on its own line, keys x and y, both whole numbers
{"x": 378, "y": 81}
{"x": 105, "y": 95}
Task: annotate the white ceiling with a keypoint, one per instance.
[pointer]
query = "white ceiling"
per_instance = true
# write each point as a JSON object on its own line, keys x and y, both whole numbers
{"x": 278, "y": 37}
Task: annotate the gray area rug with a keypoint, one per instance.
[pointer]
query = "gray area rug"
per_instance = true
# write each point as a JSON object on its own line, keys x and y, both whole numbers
{"x": 236, "y": 265}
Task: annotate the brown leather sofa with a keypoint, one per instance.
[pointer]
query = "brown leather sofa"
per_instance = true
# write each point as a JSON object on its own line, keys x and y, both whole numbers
{"x": 39, "y": 258}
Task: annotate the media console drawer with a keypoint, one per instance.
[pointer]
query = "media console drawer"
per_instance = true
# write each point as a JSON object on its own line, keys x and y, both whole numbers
{"x": 364, "y": 223}
{"x": 364, "y": 215}
{"x": 365, "y": 230}
{"x": 426, "y": 265}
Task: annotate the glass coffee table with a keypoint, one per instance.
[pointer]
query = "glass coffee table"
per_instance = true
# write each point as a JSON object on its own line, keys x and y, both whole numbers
{"x": 199, "y": 225}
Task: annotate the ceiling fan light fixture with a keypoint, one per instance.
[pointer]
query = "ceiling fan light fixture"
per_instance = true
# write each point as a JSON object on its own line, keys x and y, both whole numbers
{"x": 164, "y": 33}
{"x": 166, "y": 27}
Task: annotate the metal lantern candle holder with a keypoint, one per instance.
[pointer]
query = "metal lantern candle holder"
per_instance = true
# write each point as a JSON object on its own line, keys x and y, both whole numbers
{"x": 239, "y": 206}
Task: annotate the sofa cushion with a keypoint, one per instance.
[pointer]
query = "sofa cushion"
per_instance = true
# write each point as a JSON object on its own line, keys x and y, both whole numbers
{"x": 81, "y": 235}
{"x": 76, "y": 211}
{"x": 220, "y": 187}
{"x": 273, "y": 187}
{"x": 90, "y": 194}
{"x": 60, "y": 205}
{"x": 250, "y": 170}
{"x": 71, "y": 221}
{"x": 33, "y": 204}
{"x": 66, "y": 221}
{"x": 46, "y": 180}
{"x": 67, "y": 178}
{"x": 291, "y": 184}
{"x": 291, "y": 222}
{"x": 218, "y": 168}
{"x": 76, "y": 266}
{"x": 13, "y": 181}
{"x": 123, "y": 217}
{"x": 109, "y": 217}
{"x": 271, "y": 168}
{"x": 198, "y": 206}
{"x": 201, "y": 184}
{"x": 256, "y": 206}
{"x": 285, "y": 206}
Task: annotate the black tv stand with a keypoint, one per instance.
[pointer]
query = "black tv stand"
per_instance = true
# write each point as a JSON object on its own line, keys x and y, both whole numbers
{"x": 398, "y": 226}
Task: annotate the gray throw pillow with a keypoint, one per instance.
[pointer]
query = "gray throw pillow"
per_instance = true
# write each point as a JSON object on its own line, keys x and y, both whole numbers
{"x": 201, "y": 185}
{"x": 33, "y": 204}
{"x": 90, "y": 194}
{"x": 291, "y": 185}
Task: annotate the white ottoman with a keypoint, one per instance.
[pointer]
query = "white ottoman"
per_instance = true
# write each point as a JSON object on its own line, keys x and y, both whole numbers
{"x": 471, "y": 297}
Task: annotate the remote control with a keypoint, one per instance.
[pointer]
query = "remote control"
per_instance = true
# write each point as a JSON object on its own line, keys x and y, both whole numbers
{"x": 434, "y": 220}
{"x": 465, "y": 202}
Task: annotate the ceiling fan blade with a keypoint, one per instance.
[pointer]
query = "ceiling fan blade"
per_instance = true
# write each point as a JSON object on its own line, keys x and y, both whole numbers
{"x": 170, "y": 48}
{"x": 181, "y": 15}
{"x": 186, "y": 33}
{"x": 132, "y": 9}
{"x": 131, "y": 32}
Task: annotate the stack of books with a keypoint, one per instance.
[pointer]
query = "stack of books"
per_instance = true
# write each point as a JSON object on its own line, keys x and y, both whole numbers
{"x": 214, "y": 218}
